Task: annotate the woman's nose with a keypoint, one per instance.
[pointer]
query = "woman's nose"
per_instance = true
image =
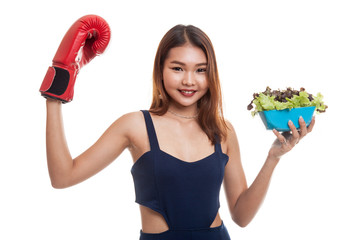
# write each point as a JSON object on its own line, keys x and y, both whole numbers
{"x": 189, "y": 79}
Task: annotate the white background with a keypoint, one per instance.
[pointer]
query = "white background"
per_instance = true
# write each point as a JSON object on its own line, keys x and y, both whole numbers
{"x": 314, "y": 44}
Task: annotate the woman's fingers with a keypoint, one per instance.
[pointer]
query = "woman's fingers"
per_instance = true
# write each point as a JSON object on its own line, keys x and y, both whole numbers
{"x": 303, "y": 129}
{"x": 311, "y": 125}
{"x": 287, "y": 140}
{"x": 280, "y": 137}
{"x": 295, "y": 134}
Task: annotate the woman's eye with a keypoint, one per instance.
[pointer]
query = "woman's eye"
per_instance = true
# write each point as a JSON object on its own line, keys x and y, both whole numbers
{"x": 177, "y": 69}
{"x": 201, "y": 70}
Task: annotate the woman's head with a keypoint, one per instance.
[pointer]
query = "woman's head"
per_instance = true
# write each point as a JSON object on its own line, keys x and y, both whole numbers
{"x": 210, "y": 105}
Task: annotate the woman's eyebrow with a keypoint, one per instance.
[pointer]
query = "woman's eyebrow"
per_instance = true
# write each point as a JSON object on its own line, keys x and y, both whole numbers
{"x": 183, "y": 64}
{"x": 177, "y": 62}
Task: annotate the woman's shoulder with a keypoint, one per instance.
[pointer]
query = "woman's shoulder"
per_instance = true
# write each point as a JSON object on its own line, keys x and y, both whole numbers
{"x": 230, "y": 138}
{"x": 131, "y": 119}
{"x": 136, "y": 115}
{"x": 132, "y": 125}
{"x": 128, "y": 122}
{"x": 230, "y": 129}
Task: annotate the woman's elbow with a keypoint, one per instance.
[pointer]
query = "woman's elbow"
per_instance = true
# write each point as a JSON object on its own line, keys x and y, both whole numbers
{"x": 59, "y": 183}
{"x": 57, "y": 186}
{"x": 239, "y": 221}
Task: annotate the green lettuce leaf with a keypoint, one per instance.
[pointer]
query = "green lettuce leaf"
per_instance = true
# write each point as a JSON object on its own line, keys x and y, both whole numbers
{"x": 268, "y": 100}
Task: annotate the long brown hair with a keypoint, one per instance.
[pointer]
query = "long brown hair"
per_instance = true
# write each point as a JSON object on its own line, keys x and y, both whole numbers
{"x": 210, "y": 118}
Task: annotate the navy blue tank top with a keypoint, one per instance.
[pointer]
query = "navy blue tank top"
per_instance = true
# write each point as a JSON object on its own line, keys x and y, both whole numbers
{"x": 186, "y": 194}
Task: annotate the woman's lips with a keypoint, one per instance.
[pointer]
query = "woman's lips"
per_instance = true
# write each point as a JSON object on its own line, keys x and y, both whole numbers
{"x": 187, "y": 92}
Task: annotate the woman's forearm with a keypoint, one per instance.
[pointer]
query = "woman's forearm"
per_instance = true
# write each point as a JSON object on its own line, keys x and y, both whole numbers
{"x": 251, "y": 199}
{"x": 58, "y": 155}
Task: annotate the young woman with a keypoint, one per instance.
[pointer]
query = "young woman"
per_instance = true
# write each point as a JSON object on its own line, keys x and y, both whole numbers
{"x": 182, "y": 148}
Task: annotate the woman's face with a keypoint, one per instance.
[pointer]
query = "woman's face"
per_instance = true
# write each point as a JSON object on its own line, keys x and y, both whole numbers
{"x": 184, "y": 73}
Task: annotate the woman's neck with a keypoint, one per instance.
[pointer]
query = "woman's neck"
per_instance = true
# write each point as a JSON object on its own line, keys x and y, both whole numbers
{"x": 190, "y": 112}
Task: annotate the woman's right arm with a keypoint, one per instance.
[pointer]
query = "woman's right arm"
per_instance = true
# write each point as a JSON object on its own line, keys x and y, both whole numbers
{"x": 65, "y": 171}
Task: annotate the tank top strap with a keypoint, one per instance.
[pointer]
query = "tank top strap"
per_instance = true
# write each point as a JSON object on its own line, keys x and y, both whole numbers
{"x": 150, "y": 130}
{"x": 218, "y": 145}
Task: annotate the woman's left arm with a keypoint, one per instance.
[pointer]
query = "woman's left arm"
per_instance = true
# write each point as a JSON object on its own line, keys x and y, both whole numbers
{"x": 245, "y": 201}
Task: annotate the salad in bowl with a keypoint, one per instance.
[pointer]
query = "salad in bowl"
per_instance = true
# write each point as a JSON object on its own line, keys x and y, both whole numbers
{"x": 277, "y": 107}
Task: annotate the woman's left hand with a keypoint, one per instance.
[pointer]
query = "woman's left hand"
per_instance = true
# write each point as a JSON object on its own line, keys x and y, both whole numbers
{"x": 287, "y": 140}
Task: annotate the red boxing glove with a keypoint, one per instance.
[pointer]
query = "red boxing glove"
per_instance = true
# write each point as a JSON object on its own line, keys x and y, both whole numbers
{"x": 86, "y": 38}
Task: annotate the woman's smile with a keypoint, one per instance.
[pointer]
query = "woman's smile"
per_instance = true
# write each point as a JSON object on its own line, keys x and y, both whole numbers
{"x": 187, "y": 93}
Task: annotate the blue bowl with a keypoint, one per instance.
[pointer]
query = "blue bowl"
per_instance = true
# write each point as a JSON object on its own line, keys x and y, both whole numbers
{"x": 278, "y": 119}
